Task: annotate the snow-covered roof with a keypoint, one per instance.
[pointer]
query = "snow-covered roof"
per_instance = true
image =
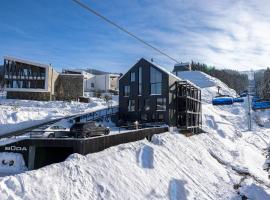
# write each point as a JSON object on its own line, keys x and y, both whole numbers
{"x": 26, "y": 62}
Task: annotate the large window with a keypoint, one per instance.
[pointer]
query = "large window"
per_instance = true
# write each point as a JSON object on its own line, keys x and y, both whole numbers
{"x": 140, "y": 81}
{"x": 161, "y": 103}
{"x": 132, "y": 76}
{"x": 126, "y": 90}
{"x": 131, "y": 105}
{"x": 155, "y": 81}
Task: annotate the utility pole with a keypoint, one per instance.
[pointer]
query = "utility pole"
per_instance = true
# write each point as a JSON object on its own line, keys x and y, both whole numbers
{"x": 249, "y": 105}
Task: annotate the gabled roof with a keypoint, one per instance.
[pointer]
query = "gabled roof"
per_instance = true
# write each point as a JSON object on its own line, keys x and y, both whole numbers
{"x": 26, "y": 62}
{"x": 157, "y": 66}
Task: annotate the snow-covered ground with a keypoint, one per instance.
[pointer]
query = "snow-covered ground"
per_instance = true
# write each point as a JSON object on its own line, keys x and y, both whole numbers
{"x": 223, "y": 163}
{"x": 262, "y": 117}
{"x": 20, "y": 114}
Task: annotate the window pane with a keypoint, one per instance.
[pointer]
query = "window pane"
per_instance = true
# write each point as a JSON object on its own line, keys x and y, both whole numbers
{"x": 147, "y": 104}
{"x": 140, "y": 81}
{"x": 132, "y": 76}
{"x": 126, "y": 90}
{"x": 140, "y": 74}
{"x": 155, "y": 80}
{"x": 131, "y": 105}
{"x": 161, "y": 103}
{"x": 158, "y": 88}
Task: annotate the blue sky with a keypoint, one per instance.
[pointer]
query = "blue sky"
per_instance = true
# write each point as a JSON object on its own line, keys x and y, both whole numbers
{"x": 228, "y": 33}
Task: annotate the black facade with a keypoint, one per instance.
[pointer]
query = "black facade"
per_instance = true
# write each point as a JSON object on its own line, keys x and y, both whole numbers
{"x": 148, "y": 93}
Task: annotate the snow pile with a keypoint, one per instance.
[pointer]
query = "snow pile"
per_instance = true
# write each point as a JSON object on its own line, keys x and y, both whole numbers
{"x": 19, "y": 114}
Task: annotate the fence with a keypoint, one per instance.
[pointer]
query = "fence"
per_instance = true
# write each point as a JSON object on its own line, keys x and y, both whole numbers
{"x": 41, "y": 152}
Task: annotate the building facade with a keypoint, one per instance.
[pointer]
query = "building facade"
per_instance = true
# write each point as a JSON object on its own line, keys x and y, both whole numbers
{"x": 180, "y": 67}
{"x": 69, "y": 87}
{"x": 149, "y": 93}
{"x": 106, "y": 82}
{"x": 28, "y": 80}
{"x": 103, "y": 83}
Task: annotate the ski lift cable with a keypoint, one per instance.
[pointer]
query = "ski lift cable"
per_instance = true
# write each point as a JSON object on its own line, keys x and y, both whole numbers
{"x": 88, "y": 8}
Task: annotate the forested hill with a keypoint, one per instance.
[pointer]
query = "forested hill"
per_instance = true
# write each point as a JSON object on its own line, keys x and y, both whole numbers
{"x": 232, "y": 78}
{"x": 262, "y": 83}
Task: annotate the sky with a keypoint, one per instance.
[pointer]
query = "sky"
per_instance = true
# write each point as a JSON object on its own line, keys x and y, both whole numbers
{"x": 231, "y": 34}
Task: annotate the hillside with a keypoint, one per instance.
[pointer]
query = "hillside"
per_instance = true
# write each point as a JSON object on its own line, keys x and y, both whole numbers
{"x": 20, "y": 114}
{"x": 223, "y": 163}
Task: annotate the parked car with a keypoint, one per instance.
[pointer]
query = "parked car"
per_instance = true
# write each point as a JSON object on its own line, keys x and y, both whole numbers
{"x": 54, "y": 131}
{"x": 88, "y": 129}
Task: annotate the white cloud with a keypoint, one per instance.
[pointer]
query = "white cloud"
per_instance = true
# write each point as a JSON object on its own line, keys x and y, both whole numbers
{"x": 231, "y": 34}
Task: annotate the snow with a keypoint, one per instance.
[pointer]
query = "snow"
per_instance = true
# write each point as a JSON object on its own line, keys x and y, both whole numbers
{"x": 262, "y": 118}
{"x": 20, "y": 114}
{"x": 226, "y": 162}
{"x": 204, "y": 80}
{"x": 5, "y": 161}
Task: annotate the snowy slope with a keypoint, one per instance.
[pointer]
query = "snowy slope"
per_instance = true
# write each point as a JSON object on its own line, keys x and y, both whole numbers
{"x": 203, "y": 80}
{"x": 206, "y": 166}
{"x": 262, "y": 117}
{"x": 19, "y": 114}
